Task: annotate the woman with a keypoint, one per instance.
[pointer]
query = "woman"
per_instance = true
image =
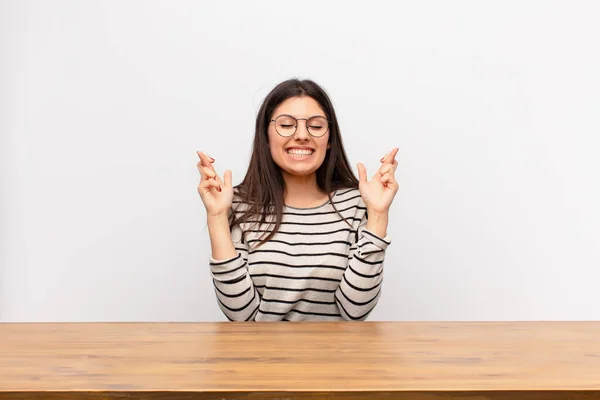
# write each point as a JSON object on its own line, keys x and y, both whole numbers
{"x": 300, "y": 238}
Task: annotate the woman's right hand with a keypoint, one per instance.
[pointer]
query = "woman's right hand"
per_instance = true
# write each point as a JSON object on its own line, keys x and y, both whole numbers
{"x": 216, "y": 194}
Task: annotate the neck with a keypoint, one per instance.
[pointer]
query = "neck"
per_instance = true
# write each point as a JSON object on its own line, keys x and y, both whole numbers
{"x": 302, "y": 191}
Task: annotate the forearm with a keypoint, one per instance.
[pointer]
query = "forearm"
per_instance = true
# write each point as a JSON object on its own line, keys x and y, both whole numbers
{"x": 221, "y": 243}
{"x": 360, "y": 288}
{"x": 237, "y": 296}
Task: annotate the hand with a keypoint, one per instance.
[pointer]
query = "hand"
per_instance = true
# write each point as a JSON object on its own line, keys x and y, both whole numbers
{"x": 379, "y": 192}
{"x": 216, "y": 194}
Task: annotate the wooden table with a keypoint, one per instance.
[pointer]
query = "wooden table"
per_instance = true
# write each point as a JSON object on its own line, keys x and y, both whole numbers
{"x": 348, "y": 360}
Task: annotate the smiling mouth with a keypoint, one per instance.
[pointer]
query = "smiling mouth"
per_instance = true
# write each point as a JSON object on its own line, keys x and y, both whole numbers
{"x": 299, "y": 154}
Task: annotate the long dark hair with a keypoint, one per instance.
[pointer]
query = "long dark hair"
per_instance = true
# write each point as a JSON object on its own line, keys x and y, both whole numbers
{"x": 263, "y": 186}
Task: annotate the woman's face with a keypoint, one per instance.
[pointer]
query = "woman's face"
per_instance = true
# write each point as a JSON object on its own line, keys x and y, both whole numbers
{"x": 301, "y": 153}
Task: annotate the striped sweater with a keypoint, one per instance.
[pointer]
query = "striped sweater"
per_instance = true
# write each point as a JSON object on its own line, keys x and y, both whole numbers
{"x": 316, "y": 267}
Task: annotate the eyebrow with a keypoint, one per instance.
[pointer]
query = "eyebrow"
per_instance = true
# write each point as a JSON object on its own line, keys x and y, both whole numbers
{"x": 290, "y": 115}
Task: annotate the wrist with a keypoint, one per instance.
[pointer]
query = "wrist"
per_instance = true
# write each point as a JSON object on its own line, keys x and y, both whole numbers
{"x": 217, "y": 216}
{"x": 222, "y": 246}
{"x": 377, "y": 222}
{"x": 380, "y": 215}
{"x": 216, "y": 221}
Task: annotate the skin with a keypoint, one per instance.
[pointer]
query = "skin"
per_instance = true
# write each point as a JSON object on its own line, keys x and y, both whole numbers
{"x": 299, "y": 176}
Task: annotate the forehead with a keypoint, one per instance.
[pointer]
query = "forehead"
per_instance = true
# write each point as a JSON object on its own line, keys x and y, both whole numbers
{"x": 299, "y": 107}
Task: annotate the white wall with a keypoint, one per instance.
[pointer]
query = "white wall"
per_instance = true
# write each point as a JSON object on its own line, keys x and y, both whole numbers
{"x": 494, "y": 106}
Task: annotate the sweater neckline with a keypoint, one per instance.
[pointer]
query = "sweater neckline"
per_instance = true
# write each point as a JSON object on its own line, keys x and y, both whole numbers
{"x": 312, "y": 208}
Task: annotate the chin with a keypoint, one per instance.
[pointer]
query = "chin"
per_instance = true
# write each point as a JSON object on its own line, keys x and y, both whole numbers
{"x": 300, "y": 172}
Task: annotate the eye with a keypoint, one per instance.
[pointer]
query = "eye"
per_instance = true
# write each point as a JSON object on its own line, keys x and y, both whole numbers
{"x": 317, "y": 123}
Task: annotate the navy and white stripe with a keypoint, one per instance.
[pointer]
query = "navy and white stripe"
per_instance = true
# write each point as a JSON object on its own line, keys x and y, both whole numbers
{"x": 316, "y": 267}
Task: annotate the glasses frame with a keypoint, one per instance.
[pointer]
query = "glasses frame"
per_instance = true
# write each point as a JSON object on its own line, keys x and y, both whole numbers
{"x": 296, "y": 126}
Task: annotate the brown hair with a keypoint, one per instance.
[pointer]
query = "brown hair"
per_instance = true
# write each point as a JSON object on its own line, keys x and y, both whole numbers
{"x": 263, "y": 186}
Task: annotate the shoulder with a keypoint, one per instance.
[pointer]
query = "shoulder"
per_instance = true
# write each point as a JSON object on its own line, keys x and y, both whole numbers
{"x": 238, "y": 204}
{"x": 245, "y": 211}
{"x": 237, "y": 197}
{"x": 350, "y": 202}
{"x": 348, "y": 197}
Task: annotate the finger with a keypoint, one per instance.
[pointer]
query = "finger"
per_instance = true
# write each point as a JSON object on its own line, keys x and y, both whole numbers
{"x": 201, "y": 170}
{"x": 385, "y": 168}
{"x": 202, "y": 157}
{"x": 386, "y": 178}
{"x": 208, "y": 173}
{"x": 201, "y": 154}
{"x": 392, "y": 155}
{"x": 389, "y": 157}
{"x": 392, "y": 183}
{"x": 227, "y": 177}
{"x": 205, "y": 172}
{"x": 206, "y": 160}
{"x": 206, "y": 186}
{"x": 362, "y": 173}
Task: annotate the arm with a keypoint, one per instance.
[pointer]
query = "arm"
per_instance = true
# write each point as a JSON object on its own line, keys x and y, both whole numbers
{"x": 360, "y": 287}
{"x": 236, "y": 294}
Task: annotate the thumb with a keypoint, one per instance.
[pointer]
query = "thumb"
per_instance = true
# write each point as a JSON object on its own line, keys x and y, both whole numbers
{"x": 362, "y": 173}
{"x": 227, "y": 177}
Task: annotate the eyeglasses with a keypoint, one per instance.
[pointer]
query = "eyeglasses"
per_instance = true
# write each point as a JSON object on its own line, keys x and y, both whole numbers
{"x": 286, "y": 125}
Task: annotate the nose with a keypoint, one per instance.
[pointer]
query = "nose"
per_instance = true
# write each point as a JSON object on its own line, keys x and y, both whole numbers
{"x": 302, "y": 130}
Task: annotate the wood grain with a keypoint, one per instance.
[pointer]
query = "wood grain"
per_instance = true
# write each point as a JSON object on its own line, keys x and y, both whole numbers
{"x": 349, "y": 360}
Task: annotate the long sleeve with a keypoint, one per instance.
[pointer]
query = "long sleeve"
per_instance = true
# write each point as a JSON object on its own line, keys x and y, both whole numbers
{"x": 236, "y": 294}
{"x": 360, "y": 287}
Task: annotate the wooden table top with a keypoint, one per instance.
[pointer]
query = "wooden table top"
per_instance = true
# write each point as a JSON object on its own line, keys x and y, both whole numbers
{"x": 292, "y": 360}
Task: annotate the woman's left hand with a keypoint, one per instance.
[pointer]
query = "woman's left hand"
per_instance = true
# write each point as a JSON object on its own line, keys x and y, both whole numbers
{"x": 379, "y": 192}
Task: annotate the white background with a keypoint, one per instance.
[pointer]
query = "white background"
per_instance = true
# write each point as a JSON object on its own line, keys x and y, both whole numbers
{"x": 494, "y": 106}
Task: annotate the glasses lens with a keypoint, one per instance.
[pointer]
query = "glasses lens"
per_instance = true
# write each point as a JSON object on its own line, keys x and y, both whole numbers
{"x": 317, "y": 126}
{"x": 285, "y": 125}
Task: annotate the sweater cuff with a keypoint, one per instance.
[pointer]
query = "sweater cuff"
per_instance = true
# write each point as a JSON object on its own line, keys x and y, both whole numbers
{"x": 376, "y": 240}
{"x": 224, "y": 266}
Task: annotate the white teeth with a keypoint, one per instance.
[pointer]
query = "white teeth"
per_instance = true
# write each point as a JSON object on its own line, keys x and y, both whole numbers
{"x": 300, "y": 152}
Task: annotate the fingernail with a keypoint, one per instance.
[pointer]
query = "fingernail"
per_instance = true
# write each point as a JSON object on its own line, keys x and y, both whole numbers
{"x": 212, "y": 159}
{"x": 381, "y": 159}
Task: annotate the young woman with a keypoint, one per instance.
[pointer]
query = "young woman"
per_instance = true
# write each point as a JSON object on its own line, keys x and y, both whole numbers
{"x": 300, "y": 238}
